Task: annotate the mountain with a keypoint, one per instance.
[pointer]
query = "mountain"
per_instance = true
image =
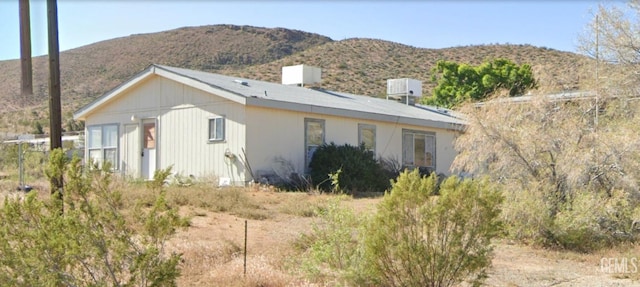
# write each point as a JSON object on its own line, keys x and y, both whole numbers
{"x": 357, "y": 65}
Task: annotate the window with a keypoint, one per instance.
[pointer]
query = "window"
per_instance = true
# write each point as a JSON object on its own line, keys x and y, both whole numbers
{"x": 149, "y": 135}
{"x": 314, "y": 137}
{"x": 419, "y": 149}
{"x": 103, "y": 144}
{"x": 216, "y": 129}
{"x": 367, "y": 136}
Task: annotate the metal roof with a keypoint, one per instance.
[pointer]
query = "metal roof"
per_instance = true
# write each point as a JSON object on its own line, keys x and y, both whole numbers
{"x": 295, "y": 98}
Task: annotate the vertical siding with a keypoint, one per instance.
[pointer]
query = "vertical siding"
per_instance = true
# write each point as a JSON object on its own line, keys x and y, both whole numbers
{"x": 275, "y": 134}
{"x": 183, "y": 115}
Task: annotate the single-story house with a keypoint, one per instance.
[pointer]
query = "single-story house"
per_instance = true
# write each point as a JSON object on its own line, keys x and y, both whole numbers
{"x": 239, "y": 130}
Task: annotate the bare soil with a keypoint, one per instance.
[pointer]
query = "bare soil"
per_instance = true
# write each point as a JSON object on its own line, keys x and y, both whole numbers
{"x": 213, "y": 254}
{"x": 213, "y": 250}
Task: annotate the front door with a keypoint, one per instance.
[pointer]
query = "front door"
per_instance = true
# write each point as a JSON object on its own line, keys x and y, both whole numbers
{"x": 149, "y": 144}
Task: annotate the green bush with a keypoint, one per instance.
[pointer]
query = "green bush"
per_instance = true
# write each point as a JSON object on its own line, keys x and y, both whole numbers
{"x": 416, "y": 238}
{"x": 590, "y": 221}
{"x": 585, "y": 221}
{"x": 93, "y": 243}
{"x": 333, "y": 251}
{"x": 356, "y": 168}
{"x": 420, "y": 239}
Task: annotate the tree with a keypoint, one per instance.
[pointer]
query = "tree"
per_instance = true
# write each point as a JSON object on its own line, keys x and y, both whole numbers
{"x": 458, "y": 83}
{"x": 570, "y": 169}
{"x": 613, "y": 40}
{"x": 551, "y": 160}
{"x": 37, "y": 128}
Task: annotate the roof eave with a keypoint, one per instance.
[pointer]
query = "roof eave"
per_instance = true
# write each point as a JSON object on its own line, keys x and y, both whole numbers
{"x": 198, "y": 84}
{"x": 306, "y": 108}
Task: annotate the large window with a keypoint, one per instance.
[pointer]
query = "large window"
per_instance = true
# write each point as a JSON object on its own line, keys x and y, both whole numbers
{"x": 216, "y": 129}
{"x": 419, "y": 149}
{"x": 103, "y": 144}
{"x": 367, "y": 136}
{"x": 314, "y": 137}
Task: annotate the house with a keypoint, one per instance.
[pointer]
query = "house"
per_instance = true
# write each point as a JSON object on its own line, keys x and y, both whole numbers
{"x": 239, "y": 130}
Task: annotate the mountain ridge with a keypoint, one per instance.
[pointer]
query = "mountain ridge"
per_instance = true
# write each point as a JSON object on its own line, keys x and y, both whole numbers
{"x": 354, "y": 65}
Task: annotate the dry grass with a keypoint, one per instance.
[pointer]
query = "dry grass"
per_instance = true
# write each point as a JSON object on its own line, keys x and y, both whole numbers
{"x": 212, "y": 246}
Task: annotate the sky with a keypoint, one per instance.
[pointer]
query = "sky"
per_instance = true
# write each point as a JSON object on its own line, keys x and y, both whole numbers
{"x": 418, "y": 23}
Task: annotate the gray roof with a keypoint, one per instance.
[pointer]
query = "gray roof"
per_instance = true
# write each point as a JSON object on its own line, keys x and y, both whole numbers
{"x": 273, "y": 95}
{"x": 295, "y": 98}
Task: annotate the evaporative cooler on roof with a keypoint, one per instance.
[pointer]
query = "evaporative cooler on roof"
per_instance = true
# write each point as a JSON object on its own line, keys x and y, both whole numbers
{"x": 301, "y": 75}
{"x": 404, "y": 90}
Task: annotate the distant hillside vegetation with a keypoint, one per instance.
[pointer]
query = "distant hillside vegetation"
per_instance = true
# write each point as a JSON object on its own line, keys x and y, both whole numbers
{"x": 362, "y": 66}
{"x": 359, "y": 66}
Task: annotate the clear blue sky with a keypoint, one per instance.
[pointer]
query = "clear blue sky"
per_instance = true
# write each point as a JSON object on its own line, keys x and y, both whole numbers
{"x": 425, "y": 24}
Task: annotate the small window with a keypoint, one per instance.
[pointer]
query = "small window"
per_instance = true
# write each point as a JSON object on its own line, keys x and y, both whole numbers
{"x": 367, "y": 136}
{"x": 314, "y": 137}
{"x": 418, "y": 149}
{"x": 103, "y": 144}
{"x": 216, "y": 129}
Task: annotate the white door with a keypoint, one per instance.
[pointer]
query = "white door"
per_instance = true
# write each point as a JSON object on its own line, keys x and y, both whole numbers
{"x": 149, "y": 144}
{"x": 132, "y": 151}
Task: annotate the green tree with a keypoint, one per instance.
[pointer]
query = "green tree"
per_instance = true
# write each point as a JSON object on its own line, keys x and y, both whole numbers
{"x": 458, "y": 83}
{"x": 37, "y": 128}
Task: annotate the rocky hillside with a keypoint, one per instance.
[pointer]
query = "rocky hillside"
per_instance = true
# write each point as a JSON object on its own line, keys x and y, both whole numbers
{"x": 358, "y": 66}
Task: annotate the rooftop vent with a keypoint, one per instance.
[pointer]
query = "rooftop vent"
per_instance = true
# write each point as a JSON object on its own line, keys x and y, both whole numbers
{"x": 300, "y": 75}
{"x": 404, "y": 90}
{"x": 241, "y": 82}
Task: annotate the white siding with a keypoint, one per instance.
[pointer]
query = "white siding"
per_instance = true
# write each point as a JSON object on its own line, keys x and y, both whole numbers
{"x": 275, "y": 134}
{"x": 182, "y": 115}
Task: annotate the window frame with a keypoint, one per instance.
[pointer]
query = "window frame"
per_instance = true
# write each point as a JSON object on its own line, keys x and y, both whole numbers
{"x": 307, "y": 154}
{"x": 215, "y": 120}
{"x": 104, "y": 146}
{"x": 361, "y": 128}
{"x": 413, "y": 133}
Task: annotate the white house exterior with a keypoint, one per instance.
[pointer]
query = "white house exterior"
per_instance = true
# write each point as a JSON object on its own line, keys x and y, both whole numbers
{"x": 206, "y": 124}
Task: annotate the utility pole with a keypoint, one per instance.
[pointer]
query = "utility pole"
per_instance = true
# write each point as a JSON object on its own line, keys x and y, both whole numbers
{"x": 25, "y": 49}
{"x": 55, "y": 110}
{"x": 595, "y": 124}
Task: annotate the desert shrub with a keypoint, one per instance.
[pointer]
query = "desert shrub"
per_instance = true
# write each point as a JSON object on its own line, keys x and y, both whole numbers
{"x": 332, "y": 247}
{"x": 416, "y": 238}
{"x": 160, "y": 177}
{"x": 591, "y": 221}
{"x": 419, "y": 239}
{"x": 525, "y": 214}
{"x": 355, "y": 168}
{"x": 92, "y": 243}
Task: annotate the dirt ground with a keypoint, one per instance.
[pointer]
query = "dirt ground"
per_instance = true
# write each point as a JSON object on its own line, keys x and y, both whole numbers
{"x": 213, "y": 250}
{"x": 269, "y": 248}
